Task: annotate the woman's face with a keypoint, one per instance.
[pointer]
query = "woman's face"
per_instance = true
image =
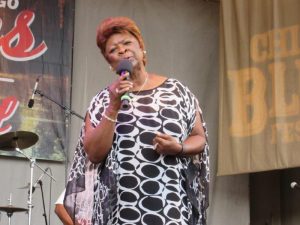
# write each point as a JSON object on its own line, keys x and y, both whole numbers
{"x": 123, "y": 46}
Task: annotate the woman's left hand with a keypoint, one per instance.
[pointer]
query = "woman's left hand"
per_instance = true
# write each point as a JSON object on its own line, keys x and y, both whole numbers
{"x": 166, "y": 144}
{"x": 193, "y": 144}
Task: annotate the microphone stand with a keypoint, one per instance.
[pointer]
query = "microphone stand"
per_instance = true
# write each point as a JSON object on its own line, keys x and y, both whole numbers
{"x": 68, "y": 110}
{"x": 43, "y": 200}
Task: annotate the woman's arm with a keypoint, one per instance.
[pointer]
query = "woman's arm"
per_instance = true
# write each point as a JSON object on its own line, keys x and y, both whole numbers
{"x": 98, "y": 140}
{"x": 195, "y": 142}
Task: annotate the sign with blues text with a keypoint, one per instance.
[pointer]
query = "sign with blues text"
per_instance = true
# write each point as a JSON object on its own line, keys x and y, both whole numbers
{"x": 260, "y": 86}
{"x": 36, "y": 40}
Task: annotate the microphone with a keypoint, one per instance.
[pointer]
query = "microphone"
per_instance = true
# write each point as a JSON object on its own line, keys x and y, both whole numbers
{"x": 295, "y": 185}
{"x": 39, "y": 180}
{"x": 124, "y": 67}
{"x": 31, "y": 100}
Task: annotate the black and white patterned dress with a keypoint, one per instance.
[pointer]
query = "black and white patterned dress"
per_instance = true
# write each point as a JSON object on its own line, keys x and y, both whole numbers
{"x": 135, "y": 184}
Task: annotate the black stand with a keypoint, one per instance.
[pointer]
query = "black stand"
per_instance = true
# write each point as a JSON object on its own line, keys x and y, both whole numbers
{"x": 42, "y": 191}
{"x": 68, "y": 110}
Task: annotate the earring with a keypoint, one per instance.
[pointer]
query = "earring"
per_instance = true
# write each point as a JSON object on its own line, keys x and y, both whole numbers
{"x": 110, "y": 67}
{"x": 145, "y": 52}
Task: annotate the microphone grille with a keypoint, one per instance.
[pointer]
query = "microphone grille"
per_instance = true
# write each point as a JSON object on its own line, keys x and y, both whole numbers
{"x": 124, "y": 65}
{"x": 30, "y": 103}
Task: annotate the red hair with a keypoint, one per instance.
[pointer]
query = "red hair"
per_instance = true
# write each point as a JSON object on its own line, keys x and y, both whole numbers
{"x": 117, "y": 25}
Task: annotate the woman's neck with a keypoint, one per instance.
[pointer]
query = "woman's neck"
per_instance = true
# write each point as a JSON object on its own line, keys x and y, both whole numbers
{"x": 139, "y": 77}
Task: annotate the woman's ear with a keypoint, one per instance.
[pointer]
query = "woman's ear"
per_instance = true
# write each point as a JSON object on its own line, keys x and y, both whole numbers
{"x": 144, "y": 57}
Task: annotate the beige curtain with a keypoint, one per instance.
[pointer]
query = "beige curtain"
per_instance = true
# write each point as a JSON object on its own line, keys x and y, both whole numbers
{"x": 259, "y": 126}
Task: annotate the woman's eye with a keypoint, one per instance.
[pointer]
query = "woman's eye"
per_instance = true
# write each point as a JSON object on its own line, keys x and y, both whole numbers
{"x": 112, "y": 50}
{"x": 127, "y": 42}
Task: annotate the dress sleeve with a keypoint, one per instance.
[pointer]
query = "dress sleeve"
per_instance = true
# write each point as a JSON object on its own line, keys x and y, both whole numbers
{"x": 199, "y": 183}
{"x": 190, "y": 106}
{"x": 98, "y": 105}
{"x": 77, "y": 173}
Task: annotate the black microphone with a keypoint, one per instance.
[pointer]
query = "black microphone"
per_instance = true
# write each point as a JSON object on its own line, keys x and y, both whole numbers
{"x": 39, "y": 180}
{"x": 295, "y": 185}
{"x": 31, "y": 100}
{"x": 124, "y": 67}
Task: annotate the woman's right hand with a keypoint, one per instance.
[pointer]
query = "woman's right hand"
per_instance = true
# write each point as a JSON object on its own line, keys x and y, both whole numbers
{"x": 119, "y": 87}
{"x": 98, "y": 140}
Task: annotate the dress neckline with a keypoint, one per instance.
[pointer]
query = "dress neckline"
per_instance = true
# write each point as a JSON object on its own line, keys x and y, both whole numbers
{"x": 150, "y": 89}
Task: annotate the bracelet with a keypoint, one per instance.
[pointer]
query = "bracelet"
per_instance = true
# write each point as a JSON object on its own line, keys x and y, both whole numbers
{"x": 108, "y": 118}
{"x": 182, "y": 150}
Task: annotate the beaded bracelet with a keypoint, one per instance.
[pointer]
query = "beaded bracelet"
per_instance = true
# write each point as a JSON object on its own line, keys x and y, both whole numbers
{"x": 108, "y": 118}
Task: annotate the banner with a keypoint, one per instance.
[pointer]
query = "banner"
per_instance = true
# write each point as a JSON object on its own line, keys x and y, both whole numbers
{"x": 36, "y": 40}
{"x": 259, "y": 123}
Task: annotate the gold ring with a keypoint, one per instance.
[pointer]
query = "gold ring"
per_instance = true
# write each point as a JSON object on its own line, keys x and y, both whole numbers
{"x": 117, "y": 90}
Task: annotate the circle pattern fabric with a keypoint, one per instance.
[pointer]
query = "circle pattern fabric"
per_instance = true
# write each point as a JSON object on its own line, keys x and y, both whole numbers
{"x": 150, "y": 187}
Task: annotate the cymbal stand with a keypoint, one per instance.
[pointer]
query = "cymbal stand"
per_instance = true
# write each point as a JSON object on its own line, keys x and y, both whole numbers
{"x": 9, "y": 214}
{"x": 32, "y": 164}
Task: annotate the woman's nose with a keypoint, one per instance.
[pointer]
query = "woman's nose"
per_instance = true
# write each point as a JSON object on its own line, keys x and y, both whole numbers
{"x": 122, "y": 50}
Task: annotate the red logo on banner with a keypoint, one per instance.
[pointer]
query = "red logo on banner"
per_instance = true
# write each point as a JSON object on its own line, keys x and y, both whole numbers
{"x": 7, "y": 110}
{"x": 17, "y": 44}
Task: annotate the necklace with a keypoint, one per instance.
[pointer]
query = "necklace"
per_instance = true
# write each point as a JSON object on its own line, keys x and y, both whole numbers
{"x": 143, "y": 85}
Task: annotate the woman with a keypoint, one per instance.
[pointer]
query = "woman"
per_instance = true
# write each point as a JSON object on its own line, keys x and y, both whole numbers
{"x": 153, "y": 156}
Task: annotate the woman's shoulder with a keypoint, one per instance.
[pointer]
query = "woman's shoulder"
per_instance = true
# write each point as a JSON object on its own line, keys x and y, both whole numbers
{"x": 178, "y": 83}
{"x": 181, "y": 87}
{"x": 161, "y": 80}
{"x": 158, "y": 80}
{"x": 101, "y": 94}
{"x": 98, "y": 99}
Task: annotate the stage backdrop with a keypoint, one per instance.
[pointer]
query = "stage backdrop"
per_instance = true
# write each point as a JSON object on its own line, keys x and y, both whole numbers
{"x": 260, "y": 86}
{"x": 36, "y": 40}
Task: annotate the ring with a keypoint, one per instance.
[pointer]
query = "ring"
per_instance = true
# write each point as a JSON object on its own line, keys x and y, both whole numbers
{"x": 117, "y": 90}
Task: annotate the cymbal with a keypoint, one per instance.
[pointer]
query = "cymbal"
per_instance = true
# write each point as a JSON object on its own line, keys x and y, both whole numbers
{"x": 12, "y": 209}
{"x": 21, "y": 139}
